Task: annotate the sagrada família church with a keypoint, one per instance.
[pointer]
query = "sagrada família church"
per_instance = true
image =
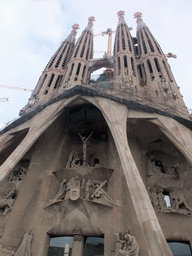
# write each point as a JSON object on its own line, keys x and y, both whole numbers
{"x": 108, "y": 158}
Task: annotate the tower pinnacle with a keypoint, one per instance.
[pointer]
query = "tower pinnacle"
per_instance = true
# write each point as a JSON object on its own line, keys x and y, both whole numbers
{"x": 140, "y": 23}
{"x": 90, "y": 23}
{"x": 121, "y": 15}
{"x": 71, "y": 37}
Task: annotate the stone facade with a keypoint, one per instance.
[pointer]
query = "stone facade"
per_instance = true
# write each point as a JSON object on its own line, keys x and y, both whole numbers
{"x": 83, "y": 161}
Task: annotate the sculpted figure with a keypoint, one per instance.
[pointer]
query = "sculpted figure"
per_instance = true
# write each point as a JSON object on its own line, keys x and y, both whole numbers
{"x": 162, "y": 203}
{"x": 7, "y": 201}
{"x": 5, "y": 252}
{"x": 129, "y": 246}
{"x": 62, "y": 190}
{"x": 87, "y": 189}
{"x": 84, "y": 140}
{"x": 68, "y": 187}
{"x": 178, "y": 200}
{"x": 155, "y": 168}
{"x": 25, "y": 247}
{"x": 154, "y": 199}
{"x": 73, "y": 160}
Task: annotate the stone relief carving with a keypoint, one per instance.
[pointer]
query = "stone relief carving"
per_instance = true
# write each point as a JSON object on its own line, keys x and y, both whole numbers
{"x": 155, "y": 167}
{"x": 157, "y": 200}
{"x": 5, "y": 252}
{"x": 17, "y": 174}
{"x": 84, "y": 140}
{"x": 177, "y": 199}
{"x": 86, "y": 190}
{"x": 73, "y": 160}
{"x": 126, "y": 244}
{"x": 77, "y": 234}
{"x": 25, "y": 247}
{"x": 7, "y": 199}
{"x": 11, "y": 188}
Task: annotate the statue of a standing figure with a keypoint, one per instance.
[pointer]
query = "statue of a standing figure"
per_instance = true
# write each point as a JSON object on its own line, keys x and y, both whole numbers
{"x": 25, "y": 247}
{"x": 129, "y": 245}
{"x": 84, "y": 140}
{"x": 62, "y": 191}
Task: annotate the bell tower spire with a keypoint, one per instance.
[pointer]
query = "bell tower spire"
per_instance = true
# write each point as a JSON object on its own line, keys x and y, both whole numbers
{"x": 78, "y": 67}
{"x": 154, "y": 71}
{"x": 124, "y": 57}
{"x": 51, "y": 78}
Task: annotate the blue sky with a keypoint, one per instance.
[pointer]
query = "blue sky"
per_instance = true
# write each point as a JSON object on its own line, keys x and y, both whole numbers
{"x": 32, "y": 30}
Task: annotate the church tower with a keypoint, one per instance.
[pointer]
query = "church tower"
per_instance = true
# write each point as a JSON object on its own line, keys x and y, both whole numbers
{"x": 110, "y": 162}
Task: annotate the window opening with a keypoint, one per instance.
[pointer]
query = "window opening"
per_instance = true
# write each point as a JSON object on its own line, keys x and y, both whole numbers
{"x": 133, "y": 66}
{"x": 129, "y": 43}
{"x": 157, "y": 65}
{"x": 119, "y": 65}
{"x": 87, "y": 54}
{"x": 94, "y": 246}
{"x": 125, "y": 61}
{"x": 150, "y": 69}
{"x": 58, "y": 244}
{"x": 49, "y": 84}
{"x": 72, "y": 66}
{"x": 139, "y": 44}
{"x": 123, "y": 38}
{"x": 140, "y": 71}
{"x": 118, "y": 41}
{"x": 149, "y": 42}
{"x": 58, "y": 81}
{"x": 180, "y": 248}
{"x": 144, "y": 45}
{"x": 78, "y": 69}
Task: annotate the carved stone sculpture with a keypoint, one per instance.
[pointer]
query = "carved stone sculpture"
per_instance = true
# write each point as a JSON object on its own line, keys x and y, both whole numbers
{"x": 87, "y": 190}
{"x": 62, "y": 190}
{"x": 7, "y": 200}
{"x": 157, "y": 200}
{"x": 77, "y": 234}
{"x": 75, "y": 190}
{"x": 162, "y": 203}
{"x": 5, "y": 252}
{"x": 179, "y": 204}
{"x": 73, "y": 160}
{"x": 17, "y": 174}
{"x": 155, "y": 167}
{"x": 84, "y": 140}
{"x": 25, "y": 247}
{"x": 128, "y": 244}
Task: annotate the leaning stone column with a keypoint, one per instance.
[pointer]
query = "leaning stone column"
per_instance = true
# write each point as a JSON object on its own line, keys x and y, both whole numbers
{"x": 78, "y": 242}
{"x": 116, "y": 117}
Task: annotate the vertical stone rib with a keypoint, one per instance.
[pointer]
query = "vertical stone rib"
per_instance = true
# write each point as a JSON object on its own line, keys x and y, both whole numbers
{"x": 116, "y": 118}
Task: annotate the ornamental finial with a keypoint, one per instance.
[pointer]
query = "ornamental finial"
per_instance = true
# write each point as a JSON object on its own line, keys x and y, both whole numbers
{"x": 75, "y": 27}
{"x": 91, "y": 19}
{"x": 138, "y": 15}
{"x": 121, "y": 14}
{"x": 90, "y": 23}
